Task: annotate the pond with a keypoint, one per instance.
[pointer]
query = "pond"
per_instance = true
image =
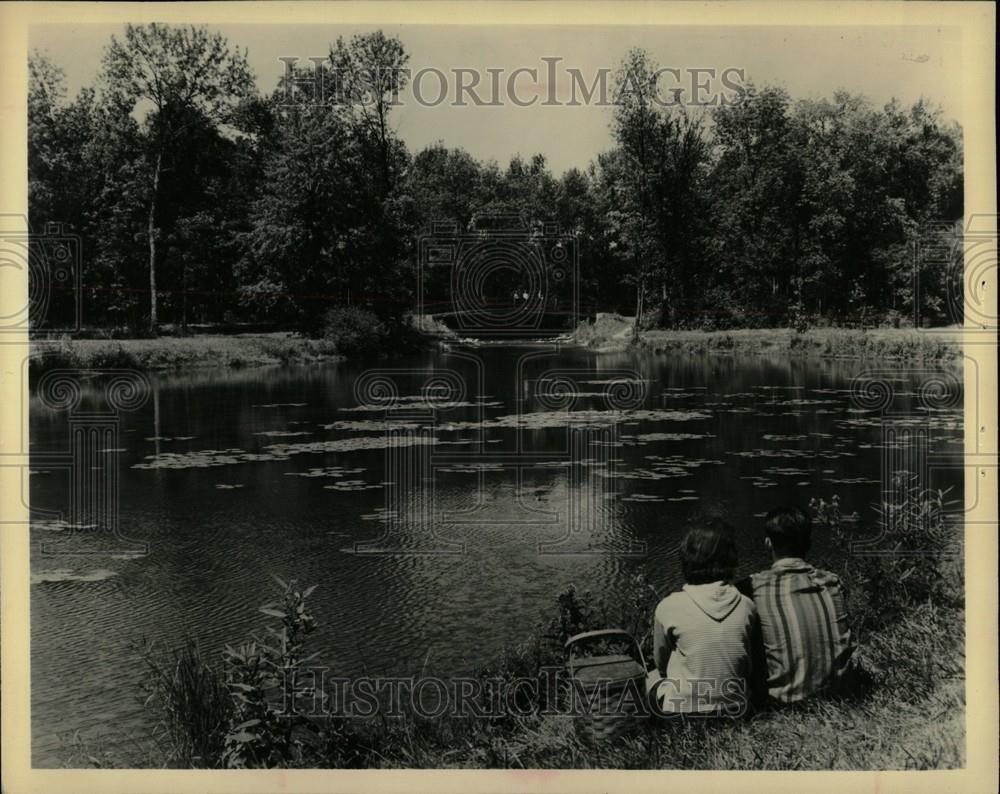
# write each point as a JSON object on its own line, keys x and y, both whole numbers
{"x": 440, "y": 502}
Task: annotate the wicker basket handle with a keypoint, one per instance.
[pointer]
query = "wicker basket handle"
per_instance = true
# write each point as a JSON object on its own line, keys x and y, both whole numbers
{"x": 593, "y": 635}
{"x": 587, "y": 636}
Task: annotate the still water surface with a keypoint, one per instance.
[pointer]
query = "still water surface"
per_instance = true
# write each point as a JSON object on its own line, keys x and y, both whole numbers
{"x": 484, "y": 454}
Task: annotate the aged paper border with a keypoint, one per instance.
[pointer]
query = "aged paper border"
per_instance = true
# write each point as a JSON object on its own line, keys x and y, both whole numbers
{"x": 977, "y": 24}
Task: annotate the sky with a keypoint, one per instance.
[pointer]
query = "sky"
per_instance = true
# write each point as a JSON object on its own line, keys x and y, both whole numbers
{"x": 881, "y": 62}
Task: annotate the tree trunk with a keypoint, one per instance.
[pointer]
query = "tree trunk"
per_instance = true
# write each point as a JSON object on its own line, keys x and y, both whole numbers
{"x": 640, "y": 299}
{"x": 384, "y": 146}
{"x": 184, "y": 300}
{"x": 151, "y": 231}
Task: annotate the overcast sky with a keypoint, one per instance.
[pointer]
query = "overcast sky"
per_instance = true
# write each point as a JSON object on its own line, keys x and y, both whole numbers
{"x": 881, "y": 62}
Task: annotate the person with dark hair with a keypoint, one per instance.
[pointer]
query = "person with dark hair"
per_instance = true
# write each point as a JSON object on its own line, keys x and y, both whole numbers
{"x": 702, "y": 634}
{"x": 805, "y": 634}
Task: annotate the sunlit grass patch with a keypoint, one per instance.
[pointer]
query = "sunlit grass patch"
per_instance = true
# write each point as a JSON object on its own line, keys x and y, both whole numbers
{"x": 169, "y": 353}
{"x": 612, "y": 332}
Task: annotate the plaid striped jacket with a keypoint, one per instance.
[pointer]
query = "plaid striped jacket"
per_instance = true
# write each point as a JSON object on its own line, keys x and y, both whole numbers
{"x": 804, "y": 628}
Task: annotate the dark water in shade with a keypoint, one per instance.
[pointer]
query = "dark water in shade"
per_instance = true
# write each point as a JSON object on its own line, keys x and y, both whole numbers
{"x": 741, "y": 433}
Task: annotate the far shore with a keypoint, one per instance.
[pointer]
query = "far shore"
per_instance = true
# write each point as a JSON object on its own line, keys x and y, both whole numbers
{"x": 611, "y": 333}
{"x": 181, "y": 352}
{"x": 608, "y": 334}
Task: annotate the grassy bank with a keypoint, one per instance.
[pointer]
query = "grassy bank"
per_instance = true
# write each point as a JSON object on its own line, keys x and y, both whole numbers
{"x": 906, "y": 711}
{"x": 613, "y": 333}
{"x": 347, "y": 333}
{"x": 166, "y": 353}
{"x": 608, "y": 333}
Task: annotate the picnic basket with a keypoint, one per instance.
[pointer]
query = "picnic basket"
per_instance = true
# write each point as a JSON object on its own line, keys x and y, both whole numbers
{"x": 607, "y": 691}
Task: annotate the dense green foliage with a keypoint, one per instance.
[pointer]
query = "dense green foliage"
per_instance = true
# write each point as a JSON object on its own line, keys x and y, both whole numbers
{"x": 185, "y": 182}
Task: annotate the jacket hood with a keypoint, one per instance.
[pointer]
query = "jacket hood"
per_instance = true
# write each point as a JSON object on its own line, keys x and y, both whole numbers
{"x": 715, "y": 599}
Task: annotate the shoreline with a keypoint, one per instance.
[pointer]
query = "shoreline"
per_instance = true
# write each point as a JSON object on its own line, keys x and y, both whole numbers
{"x": 609, "y": 334}
{"x": 613, "y": 334}
{"x": 174, "y": 353}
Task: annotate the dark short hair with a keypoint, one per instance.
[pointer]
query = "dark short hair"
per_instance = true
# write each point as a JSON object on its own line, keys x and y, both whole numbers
{"x": 708, "y": 552}
{"x": 790, "y": 530}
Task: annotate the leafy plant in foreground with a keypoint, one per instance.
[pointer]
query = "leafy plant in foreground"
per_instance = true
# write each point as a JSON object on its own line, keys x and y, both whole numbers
{"x": 271, "y": 726}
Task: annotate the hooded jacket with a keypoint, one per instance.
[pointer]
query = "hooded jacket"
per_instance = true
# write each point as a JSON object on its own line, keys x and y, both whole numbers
{"x": 704, "y": 634}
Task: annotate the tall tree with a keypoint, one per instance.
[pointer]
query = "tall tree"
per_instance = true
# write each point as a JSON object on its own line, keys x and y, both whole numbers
{"x": 635, "y": 126}
{"x": 368, "y": 73}
{"x": 445, "y": 185}
{"x": 46, "y": 96}
{"x": 64, "y": 176}
{"x": 755, "y": 186}
{"x": 663, "y": 158}
{"x": 173, "y": 70}
{"x": 310, "y": 225}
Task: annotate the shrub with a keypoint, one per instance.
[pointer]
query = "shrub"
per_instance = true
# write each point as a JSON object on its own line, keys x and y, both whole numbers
{"x": 428, "y": 324}
{"x": 112, "y": 357}
{"x": 651, "y": 319}
{"x": 905, "y": 575}
{"x": 194, "y": 705}
{"x": 255, "y": 713}
{"x": 270, "y": 726}
{"x": 354, "y": 331}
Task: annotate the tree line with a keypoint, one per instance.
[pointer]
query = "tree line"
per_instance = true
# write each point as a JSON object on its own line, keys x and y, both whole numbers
{"x": 199, "y": 199}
